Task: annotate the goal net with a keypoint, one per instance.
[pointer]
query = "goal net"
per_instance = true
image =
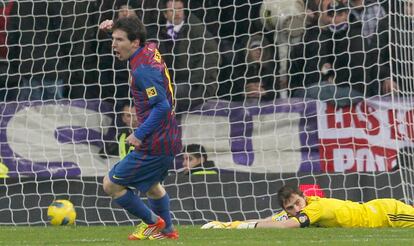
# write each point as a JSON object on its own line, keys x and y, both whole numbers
{"x": 310, "y": 93}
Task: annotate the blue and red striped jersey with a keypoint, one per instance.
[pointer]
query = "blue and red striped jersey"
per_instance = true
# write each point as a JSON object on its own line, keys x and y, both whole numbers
{"x": 152, "y": 91}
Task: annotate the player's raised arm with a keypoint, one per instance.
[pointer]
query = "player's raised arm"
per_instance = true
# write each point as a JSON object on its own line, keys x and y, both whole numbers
{"x": 106, "y": 25}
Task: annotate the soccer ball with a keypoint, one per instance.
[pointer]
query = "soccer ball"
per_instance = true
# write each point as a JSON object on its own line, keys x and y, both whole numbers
{"x": 61, "y": 212}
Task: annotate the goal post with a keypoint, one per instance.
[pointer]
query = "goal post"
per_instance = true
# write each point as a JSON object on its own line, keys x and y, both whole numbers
{"x": 62, "y": 88}
{"x": 401, "y": 29}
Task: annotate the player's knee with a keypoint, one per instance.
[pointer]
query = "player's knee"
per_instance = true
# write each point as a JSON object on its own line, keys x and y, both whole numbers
{"x": 156, "y": 191}
{"x": 109, "y": 187}
{"x": 112, "y": 189}
{"x": 106, "y": 185}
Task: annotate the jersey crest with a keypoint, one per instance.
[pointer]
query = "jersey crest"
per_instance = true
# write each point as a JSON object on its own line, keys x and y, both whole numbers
{"x": 151, "y": 92}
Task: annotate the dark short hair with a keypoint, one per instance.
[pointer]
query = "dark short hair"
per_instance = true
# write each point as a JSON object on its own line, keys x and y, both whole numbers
{"x": 121, "y": 103}
{"x": 119, "y": 110}
{"x": 196, "y": 150}
{"x": 163, "y": 4}
{"x": 285, "y": 192}
{"x": 133, "y": 26}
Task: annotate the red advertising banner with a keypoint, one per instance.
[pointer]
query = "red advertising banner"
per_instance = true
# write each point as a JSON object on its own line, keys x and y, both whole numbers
{"x": 364, "y": 137}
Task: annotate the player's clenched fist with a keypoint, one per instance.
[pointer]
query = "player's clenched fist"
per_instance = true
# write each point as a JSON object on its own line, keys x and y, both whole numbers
{"x": 106, "y": 25}
{"x": 132, "y": 140}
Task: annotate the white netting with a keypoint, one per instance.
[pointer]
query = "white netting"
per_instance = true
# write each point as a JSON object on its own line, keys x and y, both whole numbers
{"x": 401, "y": 30}
{"x": 264, "y": 87}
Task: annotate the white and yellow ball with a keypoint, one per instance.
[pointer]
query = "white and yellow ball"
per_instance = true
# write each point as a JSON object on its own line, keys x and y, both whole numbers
{"x": 61, "y": 212}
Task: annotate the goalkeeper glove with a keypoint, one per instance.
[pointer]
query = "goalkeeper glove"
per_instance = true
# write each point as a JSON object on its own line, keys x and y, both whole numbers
{"x": 216, "y": 225}
{"x": 229, "y": 225}
{"x": 242, "y": 225}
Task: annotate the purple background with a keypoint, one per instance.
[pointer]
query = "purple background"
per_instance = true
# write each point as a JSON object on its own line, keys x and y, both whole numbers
{"x": 241, "y": 126}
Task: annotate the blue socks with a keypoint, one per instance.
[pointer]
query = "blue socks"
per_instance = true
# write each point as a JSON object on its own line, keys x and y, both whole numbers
{"x": 133, "y": 204}
{"x": 162, "y": 208}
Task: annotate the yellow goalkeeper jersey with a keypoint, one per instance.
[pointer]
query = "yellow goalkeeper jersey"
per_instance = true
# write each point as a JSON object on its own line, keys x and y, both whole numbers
{"x": 330, "y": 212}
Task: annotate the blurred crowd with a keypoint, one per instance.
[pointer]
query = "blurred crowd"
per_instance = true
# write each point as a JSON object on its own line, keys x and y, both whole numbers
{"x": 339, "y": 51}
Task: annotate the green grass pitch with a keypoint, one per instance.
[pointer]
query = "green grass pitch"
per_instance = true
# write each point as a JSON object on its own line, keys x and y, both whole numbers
{"x": 193, "y": 235}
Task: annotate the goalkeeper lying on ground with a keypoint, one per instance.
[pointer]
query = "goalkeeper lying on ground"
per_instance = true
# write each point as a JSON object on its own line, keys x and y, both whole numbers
{"x": 302, "y": 211}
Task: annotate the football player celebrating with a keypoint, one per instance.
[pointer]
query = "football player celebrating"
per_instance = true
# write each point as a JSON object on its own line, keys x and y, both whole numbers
{"x": 157, "y": 139}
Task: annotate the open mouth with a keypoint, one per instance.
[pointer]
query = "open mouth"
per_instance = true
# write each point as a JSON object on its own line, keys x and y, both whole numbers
{"x": 116, "y": 53}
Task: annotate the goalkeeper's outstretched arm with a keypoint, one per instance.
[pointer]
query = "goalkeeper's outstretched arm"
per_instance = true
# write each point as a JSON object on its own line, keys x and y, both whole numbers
{"x": 266, "y": 223}
{"x": 289, "y": 223}
{"x": 278, "y": 220}
{"x": 251, "y": 224}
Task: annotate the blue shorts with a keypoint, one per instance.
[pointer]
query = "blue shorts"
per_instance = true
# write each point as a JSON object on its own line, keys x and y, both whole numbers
{"x": 140, "y": 171}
